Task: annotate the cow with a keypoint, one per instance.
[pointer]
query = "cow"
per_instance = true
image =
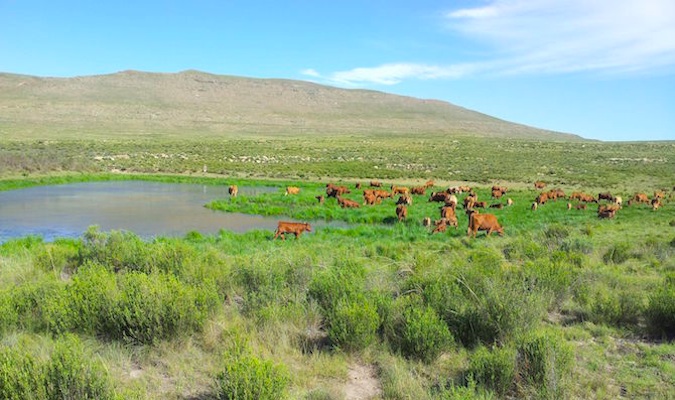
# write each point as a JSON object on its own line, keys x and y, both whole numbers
{"x": 441, "y": 226}
{"x": 463, "y": 189}
{"x": 320, "y": 199}
{"x": 483, "y": 222}
{"x": 448, "y": 214}
{"x": 430, "y": 183}
{"x": 418, "y": 190}
{"x": 569, "y": 206}
{"x": 375, "y": 184}
{"x": 292, "y": 190}
{"x": 438, "y": 196}
{"x": 502, "y": 189}
{"x": 659, "y": 194}
{"x": 233, "y": 190}
{"x": 370, "y": 199}
{"x": 479, "y": 204}
{"x": 580, "y": 206}
{"x": 451, "y": 200}
{"x": 605, "y": 196}
{"x": 534, "y": 206}
{"x": 335, "y": 191}
{"x": 358, "y": 185}
{"x": 347, "y": 203}
{"x": 382, "y": 194}
{"x": 509, "y": 202}
{"x": 399, "y": 190}
{"x": 404, "y": 199}
{"x": 618, "y": 201}
{"x": 607, "y": 210}
{"x": 295, "y": 228}
{"x": 496, "y": 193}
{"x": 542, "y": 198}
{"x": 656, "y": 203}
{"x": 639, "y": 198}
{"x": 498, "y": 206}
{"x": 426, "y": 221}
{"x": 401, "y": 212}
{"x": 539, "y": 185}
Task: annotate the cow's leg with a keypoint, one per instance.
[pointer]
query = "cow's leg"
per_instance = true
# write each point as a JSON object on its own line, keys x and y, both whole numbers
{"x": 276, "y": 234}
{"x": 297, "y": 234}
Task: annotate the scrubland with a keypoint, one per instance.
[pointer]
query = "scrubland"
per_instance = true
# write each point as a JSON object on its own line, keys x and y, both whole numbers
{"x": 564, "y": 305}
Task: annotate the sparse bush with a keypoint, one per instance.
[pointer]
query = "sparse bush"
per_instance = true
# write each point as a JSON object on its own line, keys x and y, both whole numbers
{"x": 494, "y": 369}
{"x": 248, "y": 377}
{"x": 544, "y": 362}
{"x": 21, "y": 375}
{"x": 660, "y": 311}
{"x": 617, "y": 253}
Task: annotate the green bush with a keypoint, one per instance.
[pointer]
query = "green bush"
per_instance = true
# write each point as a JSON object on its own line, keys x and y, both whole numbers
{"x": 21, "y": 375}
{"x": 70, "y": 375}
{"x": 617, "y": 253}
{"x": 544, "y": 363}
{"x": 660, "y": 312}
{"x": 248, "y": 377}
{"x": 8, "y": 315}
{"x": 353, "y": 323}
{"x": 416, "y": 331}
{"x": 494, "y": 369}
{"x": 41, "y": 305}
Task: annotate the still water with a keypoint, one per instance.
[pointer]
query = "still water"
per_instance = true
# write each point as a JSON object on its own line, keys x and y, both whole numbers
{"x": 145, "y": 208}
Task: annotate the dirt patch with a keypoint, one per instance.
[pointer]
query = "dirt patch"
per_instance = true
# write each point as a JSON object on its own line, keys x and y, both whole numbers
{"x": 362, "y": 383}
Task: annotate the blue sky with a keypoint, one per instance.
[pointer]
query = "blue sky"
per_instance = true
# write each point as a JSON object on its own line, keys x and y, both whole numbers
{"x": 602, "y": 69}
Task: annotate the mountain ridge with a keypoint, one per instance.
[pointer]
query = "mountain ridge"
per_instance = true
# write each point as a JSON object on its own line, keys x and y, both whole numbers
{"x": 195, "y": 103}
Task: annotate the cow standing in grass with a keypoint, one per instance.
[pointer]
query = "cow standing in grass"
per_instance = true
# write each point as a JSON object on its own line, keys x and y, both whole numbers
{"x": 295, "y": 228}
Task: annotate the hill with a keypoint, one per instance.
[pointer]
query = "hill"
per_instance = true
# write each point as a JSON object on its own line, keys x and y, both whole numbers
{"x": 197, "y": 104}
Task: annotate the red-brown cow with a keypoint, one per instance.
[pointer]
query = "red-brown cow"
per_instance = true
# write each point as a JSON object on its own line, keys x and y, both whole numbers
{"x": 292, "y": 190}
{"x": 370, "y": 199}
{"x": 429, "y": 183}
{"x": 418, "y": 190}
{"x": 401, "y": 212}
{"x": 539, "y": 184}
{"x": 320, "y": 199}
{"x": 483, "y": 222}
{"x": 295, "y": 228}
{"x": 441, "y": 226}
{"x": 375, "y": 184}
{"x": 347, "y": 203}
{"x": 233, "y": 190}
{"x": 399, "y": 190}
{"x": 405, "y": 199}
{"x": 438, "y": 196}
{"x": 448, "y": 214}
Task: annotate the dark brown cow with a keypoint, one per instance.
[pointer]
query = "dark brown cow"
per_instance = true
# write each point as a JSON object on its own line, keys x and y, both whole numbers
{"x": 479, "y": 204}
{"x": 347, "y": 203}
{"x": 483, "y": 222}
{"x": 580, "y": 206}
{"x": 656, "y": 203}
{"x": 605, "y": 196}
{"x": 405, "y": 199}
{"x": 498, "y": 206}
{"x": 295, "y": 228}
{"x": 401, "y": 212}
{"x": 233, "y": 190}
{"x": 418, "y": 190}
{"x": 607, "y": 210}
{"x": 292, "y": 190}
{"x": 438, "y": 196}
{"x": 335, "y": 191}
{"x": 320, "y": 199}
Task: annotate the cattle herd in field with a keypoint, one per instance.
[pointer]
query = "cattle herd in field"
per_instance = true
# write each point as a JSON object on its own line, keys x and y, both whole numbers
{"x": 607, "y": 204}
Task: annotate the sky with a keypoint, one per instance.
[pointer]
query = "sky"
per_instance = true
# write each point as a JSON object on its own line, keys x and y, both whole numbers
{"x": 601, "y": 69}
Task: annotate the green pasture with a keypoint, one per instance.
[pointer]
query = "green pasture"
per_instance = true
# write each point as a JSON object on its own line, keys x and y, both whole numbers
{"x": 564, "y": 305}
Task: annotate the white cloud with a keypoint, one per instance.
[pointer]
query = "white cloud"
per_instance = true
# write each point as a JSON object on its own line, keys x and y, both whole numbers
{"x": 559, "y": 36}
{"x": 310, "y": 72}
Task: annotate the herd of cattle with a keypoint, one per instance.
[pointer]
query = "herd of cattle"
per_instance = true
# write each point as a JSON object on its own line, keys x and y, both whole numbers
{"x": 608, "y": 205}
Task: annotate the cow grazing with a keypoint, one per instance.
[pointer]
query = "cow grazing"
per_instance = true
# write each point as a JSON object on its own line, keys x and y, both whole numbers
{"x": 418, "y": 190}
{"x": 296, "y": 228}
{"x": 479, "y": 204}
{"x": 347, "y": 203}
{"x": 382, "y": 194}
{"x": 605, "y": 196}
{"x": 640, "y": 198}
{"x": 618, "y": 201}
{"x": 441, "y": 226}
{"x": 430, "y": 183}
{"x": 375, "y": 184}
{"x": 233, "y": 190}
{"x": 498, "y": 206}
{"x": 656, "y": 203}
{"x": 448, "y": 214}
{"x": 399, "y": 190}
{"x": 483, "y": 222}
{"x": 539, "y": 184}
{"x": 292, "y": 190}
{"x": 358, "y": 185}
{"x": 464, "y": 189}
{"x": 335, "y": 191}
{"x": 580, "y": 206}
{"x": 497, "y": 194}
{"x": 438, "y": 196}
{"x": 542, "y": 198}
{"x": 370, "y": 199}
{"x": 401, "y": 212}
{"x": 607, "y": 210}
{"x": 659, "y": 194}
{"x": 320, "y": 199}
{"x": 404, "y": 199}
{"x": 451, "y": 200}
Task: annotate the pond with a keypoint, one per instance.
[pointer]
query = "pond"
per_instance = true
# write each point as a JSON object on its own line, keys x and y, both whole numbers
{"x": 145, "y": 208}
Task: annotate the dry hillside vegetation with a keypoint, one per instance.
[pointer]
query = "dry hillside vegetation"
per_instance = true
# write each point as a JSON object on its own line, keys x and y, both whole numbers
{"x": 193, "y": 103}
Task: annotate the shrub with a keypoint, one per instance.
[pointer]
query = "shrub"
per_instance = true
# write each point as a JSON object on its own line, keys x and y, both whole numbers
{"x": 21, "y": 375}
{"x": 248, "y": 377}
{"x": 353, "y": 323}
{"x": 8, "y": 315}
{"x": 495, "y": 369}
{"x": 544, "y": 361}
{"x": 417, "y": 332}
{"x": 70, "y": 375}
{"x": 617, "y": 253}
{"x": 660, "y": 312}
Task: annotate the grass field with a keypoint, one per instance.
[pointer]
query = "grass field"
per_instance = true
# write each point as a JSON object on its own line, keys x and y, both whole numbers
{"x": 564, "y": 305}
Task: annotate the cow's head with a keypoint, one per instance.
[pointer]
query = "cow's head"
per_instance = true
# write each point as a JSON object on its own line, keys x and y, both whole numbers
{"x": 308, "y": 228}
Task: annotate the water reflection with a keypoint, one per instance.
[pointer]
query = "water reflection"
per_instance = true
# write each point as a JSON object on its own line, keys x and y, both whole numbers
{"x": 146, "y": 208}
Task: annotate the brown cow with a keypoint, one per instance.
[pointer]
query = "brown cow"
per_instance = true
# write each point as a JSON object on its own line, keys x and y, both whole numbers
{"x": 498, "y": 206}
{"x": 375, "y": 184}
{"x": 542, "y": 198}
{"x": 479, "y": 204}
{"x": 401, "y": 212}
{"x": 441, "y": 226}
{"x": 370, "y": 199}
{"x": 335, "y": 191}
{"x": 580, "y": 206}
{"x": 347, "y": 203}
{"x": 483, "y": 222}
{"x": 295, "y": 228}
{"x": 438, "y": 196}
{"x": 463, "y": 189}
{"x": 448, "y": 214}
{"x": 605, "y": 196}
{"x": 502, "y": 189}
{"x": 639, "y": 198}
{"x": 497, "y": 194}
{"x": 399, "y": 190}
{"x": 233, "y": 190}
{"x": 656, "y": 203}
{"x": 539, "y": 184}
{"x": 358, "y": 185}
{"x": 320, "y": 199}
{"x": 429, "y": 183}
{"x": 292, "y": 190}
{"x": 404, "y": 199}
{"x": 426, "y": 221}
{"x": 418, "y": 190}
